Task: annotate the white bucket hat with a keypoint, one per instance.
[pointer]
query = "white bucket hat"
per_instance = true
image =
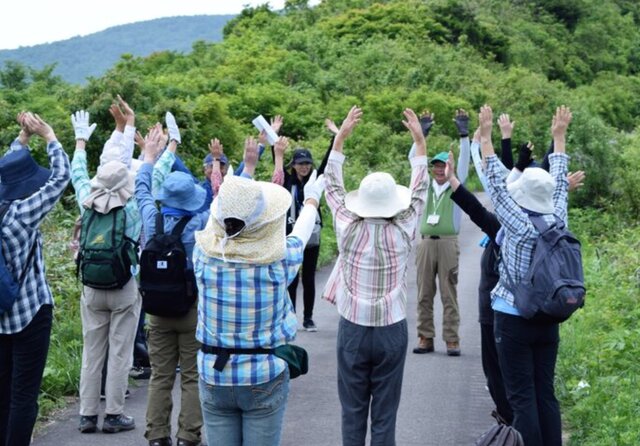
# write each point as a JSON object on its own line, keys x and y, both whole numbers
{"x": 262, "y": 207}
{"x": 534, "y": 190}
{"x": 378, "y": 197}
{"x": 112, "y": 187}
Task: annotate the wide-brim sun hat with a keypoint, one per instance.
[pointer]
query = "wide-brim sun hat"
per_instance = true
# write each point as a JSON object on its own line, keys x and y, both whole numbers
{"x": 534, "y": 190}
{"x": 378, "y": 197}
{"x": 20, "y": 175}
{"x": 180, "y": 191}
{"x": 262, "y": 207}
{"x": 112, "y": 187}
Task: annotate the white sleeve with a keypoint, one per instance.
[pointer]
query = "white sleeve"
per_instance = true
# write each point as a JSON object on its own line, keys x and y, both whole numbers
{"x": 305, "y": 223}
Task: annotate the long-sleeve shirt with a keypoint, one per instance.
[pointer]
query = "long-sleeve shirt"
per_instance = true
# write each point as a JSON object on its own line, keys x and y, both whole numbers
{"x": 20, "y": 230}
{"x": 82, "y": 185}
{"x": 368, "y": 282}
{"x": 520, "y": 235}
{"x": 121, "y": 143}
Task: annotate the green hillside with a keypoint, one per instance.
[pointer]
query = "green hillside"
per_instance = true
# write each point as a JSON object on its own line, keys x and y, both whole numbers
{"x": 80, "y": 57}
{"x": 523, "y": 57}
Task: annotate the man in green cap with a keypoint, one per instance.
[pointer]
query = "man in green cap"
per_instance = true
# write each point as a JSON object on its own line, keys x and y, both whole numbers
{"x": 438, "y": 251}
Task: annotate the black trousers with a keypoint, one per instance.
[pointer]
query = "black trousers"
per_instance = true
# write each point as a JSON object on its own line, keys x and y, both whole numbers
{"x": 309, "y": 265}
{"x": 528, "y": 353}
{"x": 22, "y": 359}
{"x": 491, "y": 368}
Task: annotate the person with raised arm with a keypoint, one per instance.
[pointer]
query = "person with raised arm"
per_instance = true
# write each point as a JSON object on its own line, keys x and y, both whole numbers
{"x": 28, "y": 192}
{"x": 527, "y": 349}
{"x": 375, "y": 227}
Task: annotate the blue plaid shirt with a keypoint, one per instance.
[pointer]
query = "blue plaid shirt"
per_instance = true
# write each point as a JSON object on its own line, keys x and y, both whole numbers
{"x": 20, "y": 230}
{"x": 245, "y": 306}
{"x": 520, "y": 235}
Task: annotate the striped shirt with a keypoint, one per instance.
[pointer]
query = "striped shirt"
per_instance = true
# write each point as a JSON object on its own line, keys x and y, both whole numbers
{"x": 245, "y": 306}
{"x": 520, "y": 235}
{"x": 20, "y": 230}
{"x": 82, "y": 185}
{"x": 368, "y": 282}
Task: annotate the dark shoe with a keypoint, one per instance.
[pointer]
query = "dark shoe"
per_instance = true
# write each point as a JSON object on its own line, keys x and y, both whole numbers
{"x": 116, "y": 423}
{"x": 182, "y": 442}
{"x": 453, "y": 348}
{"x": 425, "y": 345}
{"x": 166, "y": 441}
{"x": 140, "y": 373}
{"x": 309, "y": 325}
{"x": 88, "y": 424}
{"x": 127, "y": 394}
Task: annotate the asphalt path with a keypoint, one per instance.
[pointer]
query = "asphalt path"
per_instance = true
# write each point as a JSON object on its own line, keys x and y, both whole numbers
{"x": 444, "y": 399}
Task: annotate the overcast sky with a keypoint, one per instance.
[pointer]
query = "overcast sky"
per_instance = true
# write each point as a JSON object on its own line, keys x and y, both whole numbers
{"x": 30, "y": 22}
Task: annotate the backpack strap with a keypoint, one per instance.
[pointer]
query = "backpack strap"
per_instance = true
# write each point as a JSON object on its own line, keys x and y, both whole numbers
{"x": 541, "y": 224}
{"x": 179, "y": 227}
{"x": 159, "y": 223}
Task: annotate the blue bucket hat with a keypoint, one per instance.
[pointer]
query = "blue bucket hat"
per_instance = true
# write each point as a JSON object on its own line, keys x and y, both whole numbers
{"x": 180, "y": 191}
{"x": 209, "y": 159}
{"x": 20, "y": 175}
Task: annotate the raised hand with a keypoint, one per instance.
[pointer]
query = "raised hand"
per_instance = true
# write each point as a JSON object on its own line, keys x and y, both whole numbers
{"x": 450, "y": 166}
{"x": 276, "y": 123}
{"x": 281, "y": 146}
{"x": 350, "y": 122}
{"x": 412, "y": 123}
{"x": 576, "y": 180}
{"x": 37, "y": 126}
{"x": 172, "y": 126}
{"x": 139, "y": 140}
{"x": 250, "y": 153}
{"x": 216, "y": 149}
{"x": 486, "y": 122}
{"x": 314, "y": 187}
{"x": 476, "y": 135}
{"x": 81, "y": 127}
{"x": 118, "y": 117}
{"x": 506, "y": 126}
{"x": 129, "y": 115}
{"x": 525, "y": 155}
{"x": 154, "y": 142}
{"x": 427, "y": 119}
{"x": 561, "y": 121}
{"x": 462, "y": 122}
{"x": 331, "y": 126}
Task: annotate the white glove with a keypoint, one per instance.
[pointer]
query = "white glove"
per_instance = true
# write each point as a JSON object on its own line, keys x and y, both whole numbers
{"x": 81, "y": 127}
{"x": 174, "y": 132}
{"x": 314, "y": 187}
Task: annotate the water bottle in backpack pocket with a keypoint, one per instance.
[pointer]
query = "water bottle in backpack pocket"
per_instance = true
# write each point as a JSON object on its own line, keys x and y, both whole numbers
{"x": 106, "y": 255}
{"x": 167, "y": 284}
{"x": 553, "y": 287}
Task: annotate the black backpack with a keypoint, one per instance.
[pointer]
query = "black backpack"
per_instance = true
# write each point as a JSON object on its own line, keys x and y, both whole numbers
{"x": 553, "y": 287}
{"x": 167, "y": 285}
{"x": 500, "y": 435}
{"x": 105, "y": 253}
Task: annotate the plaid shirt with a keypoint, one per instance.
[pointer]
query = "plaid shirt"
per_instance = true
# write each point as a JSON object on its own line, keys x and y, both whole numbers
{"x": 368, "y": 282}
{"x": 20, "y": 230}
{"x": 520, "y": 235}
{"x": 245, "y": 306}
{"x": 82, "y": 185}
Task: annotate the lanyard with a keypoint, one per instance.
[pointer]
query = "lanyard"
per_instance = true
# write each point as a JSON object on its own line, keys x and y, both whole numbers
{"x": 438, "y": 202}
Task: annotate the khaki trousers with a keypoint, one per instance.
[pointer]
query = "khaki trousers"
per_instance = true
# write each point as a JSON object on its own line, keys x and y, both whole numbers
{"x": 438, "y": 257}
{"x": 172, "y": 341}
{"x": 109, "y": 318}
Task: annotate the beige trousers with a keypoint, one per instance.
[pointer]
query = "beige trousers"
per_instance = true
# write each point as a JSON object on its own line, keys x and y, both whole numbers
{"x": 438, "y": 258}
{"x": 109, "y": 318}
{"x": 172, "y": 341}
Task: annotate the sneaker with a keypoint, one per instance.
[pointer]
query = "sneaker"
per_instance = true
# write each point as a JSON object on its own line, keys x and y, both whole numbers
{"x": 453, "y": 348}
{"x": 88, "y": 424}
{"x": 140, "y": 372}
{"x": 425, "y": 345}
{"x": 183, "y": 442}
{"x": 103, "y": 397}
{"x": 309, "y": 325}
{"x": 166, "y": 441}
{"x": 116, "y": 423}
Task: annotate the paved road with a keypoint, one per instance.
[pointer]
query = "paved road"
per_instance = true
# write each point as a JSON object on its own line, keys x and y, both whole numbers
{"x": 444, "y": 400}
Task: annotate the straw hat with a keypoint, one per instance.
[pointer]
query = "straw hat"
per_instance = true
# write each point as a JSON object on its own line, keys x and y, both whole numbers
{"x": 534, "y": 190}
{"x": 378, "y": 197}
{"x": 112, "y": 187}
{"x": 262, "y": 207}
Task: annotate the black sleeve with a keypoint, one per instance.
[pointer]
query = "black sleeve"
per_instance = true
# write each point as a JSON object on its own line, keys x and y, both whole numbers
{"x": 545, "y": 161}
{"x": 323, "y": 164}
{"x": 485, "y": 220}
{"x": 507, "y": 154}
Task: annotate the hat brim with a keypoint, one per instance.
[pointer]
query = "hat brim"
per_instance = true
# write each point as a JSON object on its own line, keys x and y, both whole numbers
{"x": 277, "y": 198}
{"x": 26, "y": 187}
{"x": 195, "y": 201}
{"x": 524, "y": 200}
{"x": 384, "y": 209}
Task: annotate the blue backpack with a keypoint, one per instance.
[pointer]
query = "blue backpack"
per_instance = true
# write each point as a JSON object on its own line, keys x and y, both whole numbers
{"x": 553, "y": 287}
{"x": 9, "y": 287}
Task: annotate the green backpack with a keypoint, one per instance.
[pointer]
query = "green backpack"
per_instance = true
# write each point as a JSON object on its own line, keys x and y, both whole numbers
{"x": 106, "y": 254}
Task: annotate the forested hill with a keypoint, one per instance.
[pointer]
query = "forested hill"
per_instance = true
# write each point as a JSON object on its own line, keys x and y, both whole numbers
{"x": 91, "y": 55}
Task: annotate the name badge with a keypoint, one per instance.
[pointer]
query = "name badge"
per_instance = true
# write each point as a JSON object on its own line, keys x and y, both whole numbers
{"x": 161, "y": 264}
{"x": 433, "y": 219}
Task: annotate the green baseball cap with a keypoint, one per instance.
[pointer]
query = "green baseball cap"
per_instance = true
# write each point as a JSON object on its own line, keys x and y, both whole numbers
{"x": 442, "y": 157}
